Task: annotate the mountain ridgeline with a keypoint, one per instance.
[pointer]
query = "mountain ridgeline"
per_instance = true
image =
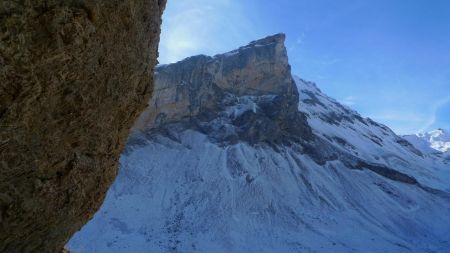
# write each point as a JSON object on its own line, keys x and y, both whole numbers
{"x": 235, "y": 154}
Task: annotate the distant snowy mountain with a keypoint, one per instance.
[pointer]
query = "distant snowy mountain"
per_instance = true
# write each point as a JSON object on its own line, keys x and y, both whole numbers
{"x": 234, "y": 154}
{"x": 439, "y": 139}
{"x": 436, "y": 143}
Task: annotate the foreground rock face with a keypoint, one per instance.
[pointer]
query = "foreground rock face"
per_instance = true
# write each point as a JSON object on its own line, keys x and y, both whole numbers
{"x": 200, "y": 89}
{"x": 74, "y": 76}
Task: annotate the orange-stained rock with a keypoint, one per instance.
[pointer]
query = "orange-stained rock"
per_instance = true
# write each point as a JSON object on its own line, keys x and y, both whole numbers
{"x": 199, "y": 89}
{"x": 185, "y": 88}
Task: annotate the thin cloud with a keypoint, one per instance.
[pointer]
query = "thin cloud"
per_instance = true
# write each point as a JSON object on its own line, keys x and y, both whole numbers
{"x": 349, "y": 101}
{"x": 434, "y": 109}
{"x": 398, "y": 116}
{"x": 192, "y": 27}
{"x": 401, "y": 122}
{"x": 300, "y": 39}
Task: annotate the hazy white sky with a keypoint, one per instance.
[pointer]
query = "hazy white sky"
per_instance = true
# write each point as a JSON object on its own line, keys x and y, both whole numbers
{"x": 389, "y": 60}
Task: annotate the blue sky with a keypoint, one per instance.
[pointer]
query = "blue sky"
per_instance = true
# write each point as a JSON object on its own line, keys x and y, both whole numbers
{"x": 387, "y": 59}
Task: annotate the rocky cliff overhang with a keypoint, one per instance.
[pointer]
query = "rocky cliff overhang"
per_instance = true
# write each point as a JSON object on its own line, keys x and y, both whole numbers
{"x": 74, "y": 75}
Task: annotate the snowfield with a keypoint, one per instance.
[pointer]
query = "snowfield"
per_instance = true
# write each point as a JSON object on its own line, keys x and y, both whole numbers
{"x": 179, "y": 191}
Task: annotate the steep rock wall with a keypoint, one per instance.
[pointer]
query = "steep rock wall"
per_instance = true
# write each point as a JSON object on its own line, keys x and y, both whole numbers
{"x": 189, "y": 87}
{"x": 74, "y": 76}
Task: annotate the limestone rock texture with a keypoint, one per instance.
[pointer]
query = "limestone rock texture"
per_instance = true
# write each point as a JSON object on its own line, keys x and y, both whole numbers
{"x": 200, "y": 87}
{"x": 74, "y": 75}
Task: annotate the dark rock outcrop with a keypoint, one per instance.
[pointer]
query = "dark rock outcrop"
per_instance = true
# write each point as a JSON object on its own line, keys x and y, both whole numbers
{"x": 387, "y": 172}
{"x": 447, "y": 159}
{"x": 74, "y": 76}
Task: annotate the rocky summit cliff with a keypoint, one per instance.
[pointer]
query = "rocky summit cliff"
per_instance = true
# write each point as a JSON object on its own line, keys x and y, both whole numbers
{"x": 74, "y": 75}
{"x": 234, "y": 154}
{"x": 206, "y": 91}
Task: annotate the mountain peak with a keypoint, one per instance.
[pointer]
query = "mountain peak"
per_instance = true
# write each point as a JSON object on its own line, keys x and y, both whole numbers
{"x": 268, "y": 48}
{"x": 438, "y": 132}
{"x": 278, "y": 38}
{"x": 430, "y": 142}
{"x": 202, "y": 85}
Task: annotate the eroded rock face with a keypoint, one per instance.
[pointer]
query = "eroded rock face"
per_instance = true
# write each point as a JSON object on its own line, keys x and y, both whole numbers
{"x": 253, "y": 85}
{"x": 74, "y": 76}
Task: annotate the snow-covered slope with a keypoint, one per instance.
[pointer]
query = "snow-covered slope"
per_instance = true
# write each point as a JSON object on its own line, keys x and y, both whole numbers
{"x": 186, "y": 194}
{"x": 367, "y": 139}
{"x": 439, "y": 139}
{"x": 436, "y": 142}
{"x": 212, "y": 183}
{"x": 183, "y": 193}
